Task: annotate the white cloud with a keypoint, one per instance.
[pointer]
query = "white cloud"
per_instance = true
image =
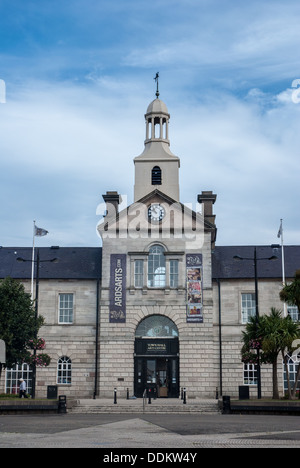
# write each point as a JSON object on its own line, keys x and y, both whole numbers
{"x": 248, "y": 155}
{"x": 65, "y": 147}
{"x": 76, "y": 96}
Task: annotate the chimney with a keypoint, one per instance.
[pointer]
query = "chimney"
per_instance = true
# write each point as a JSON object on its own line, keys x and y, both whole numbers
{"x": 208, "y": 198}
{"x": 112, "y": 200}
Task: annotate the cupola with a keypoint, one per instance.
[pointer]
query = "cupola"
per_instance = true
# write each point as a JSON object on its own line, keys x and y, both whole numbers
{"x": 157, "y": 167}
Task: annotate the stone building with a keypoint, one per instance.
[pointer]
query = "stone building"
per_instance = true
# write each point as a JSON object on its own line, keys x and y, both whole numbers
{"x": 160, "y": 304}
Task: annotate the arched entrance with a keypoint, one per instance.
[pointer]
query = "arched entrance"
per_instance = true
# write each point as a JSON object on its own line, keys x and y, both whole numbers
{"x": 156, "y": 357}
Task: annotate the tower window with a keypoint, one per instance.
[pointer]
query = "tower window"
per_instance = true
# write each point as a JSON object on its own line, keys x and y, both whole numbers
{"x": 156, "y": 176}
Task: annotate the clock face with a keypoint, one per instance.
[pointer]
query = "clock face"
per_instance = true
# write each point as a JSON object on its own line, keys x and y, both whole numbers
{"x": 156, "y": 212}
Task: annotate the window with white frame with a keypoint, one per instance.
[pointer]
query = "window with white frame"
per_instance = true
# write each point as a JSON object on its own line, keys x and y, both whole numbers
{"x": 293, "y": 363}
{"x": 248, "y": 307}
{"x": 250, "y": 374}
{"x": 293, "y": 312}
{"x": 66, "y": 308}
{"x": 14, "y": 374}
{"x": 138, "y": 273}
{"x": 64, "y": 370}
{"x": 174, "y": 273}
{"x": 156, "y": 267}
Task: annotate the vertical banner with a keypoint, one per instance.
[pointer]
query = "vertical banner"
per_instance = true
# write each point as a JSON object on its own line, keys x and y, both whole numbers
{"x": 117, "y": 289}
{"x": 194, "y": 288}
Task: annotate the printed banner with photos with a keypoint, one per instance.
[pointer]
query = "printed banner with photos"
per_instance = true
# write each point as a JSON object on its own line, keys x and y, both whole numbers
{"x": 194, "y": 288}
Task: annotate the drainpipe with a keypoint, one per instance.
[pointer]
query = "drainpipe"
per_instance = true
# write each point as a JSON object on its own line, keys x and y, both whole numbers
{"x": 97, "y": 336}
{"x": 220, "y": 336}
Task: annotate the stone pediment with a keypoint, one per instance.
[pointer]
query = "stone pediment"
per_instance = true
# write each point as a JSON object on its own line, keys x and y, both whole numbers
{"x": 177, "y": 220}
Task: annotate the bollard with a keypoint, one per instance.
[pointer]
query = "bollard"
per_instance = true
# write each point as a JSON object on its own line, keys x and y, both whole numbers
{"x": 217, "y": 393}
{"x": 149, "y": 396}
{"x": 62, "y": 404}
{"x": 127, "y": 397}
{"x": 115, "y": 396}
{"x": 184, "y": 396}
{"x": 226, "y": 405}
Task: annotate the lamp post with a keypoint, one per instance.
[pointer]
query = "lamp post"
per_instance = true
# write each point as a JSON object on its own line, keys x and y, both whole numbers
{"x": 255, "y": 260}
{"x": 37, "y": 280}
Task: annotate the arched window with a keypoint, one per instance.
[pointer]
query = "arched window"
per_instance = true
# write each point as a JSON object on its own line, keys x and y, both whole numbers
{"x": 156, "y": 267}
{"x": 293, "y": 363}
{"x": 64, "y": 370}
{"x": 156, "y": 326}
{"x": 156, "y": 175}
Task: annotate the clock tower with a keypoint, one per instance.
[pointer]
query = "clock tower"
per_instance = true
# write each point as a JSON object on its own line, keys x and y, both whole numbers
{"x": 157, "y": 167}
{"x": 156, "y": 293}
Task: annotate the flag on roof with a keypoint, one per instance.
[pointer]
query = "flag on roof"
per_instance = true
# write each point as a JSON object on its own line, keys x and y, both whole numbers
{"x": 40, "y": 231}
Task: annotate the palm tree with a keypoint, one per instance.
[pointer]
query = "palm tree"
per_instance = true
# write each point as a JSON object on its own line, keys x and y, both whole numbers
{"x": 290, "y": 293}
{"x": 271, "y": 342}
{"x": 274, "y": 334}
{"x": 260, "y": 333}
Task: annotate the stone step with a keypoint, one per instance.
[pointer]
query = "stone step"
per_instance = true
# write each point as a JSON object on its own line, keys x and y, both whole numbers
{"x": 100, "y": 410}
{"x": 137, "y": 406}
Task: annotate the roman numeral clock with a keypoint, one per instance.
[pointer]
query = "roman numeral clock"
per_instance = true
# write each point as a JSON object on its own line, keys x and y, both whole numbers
{"x": 156, "y": 213}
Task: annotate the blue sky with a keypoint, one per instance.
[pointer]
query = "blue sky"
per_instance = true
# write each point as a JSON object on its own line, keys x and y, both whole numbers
{"x": 79, "y": 77}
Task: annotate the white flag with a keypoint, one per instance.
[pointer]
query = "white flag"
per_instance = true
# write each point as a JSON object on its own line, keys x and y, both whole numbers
{"x": 280, "y": 230}
{"x": 40, "y": 232}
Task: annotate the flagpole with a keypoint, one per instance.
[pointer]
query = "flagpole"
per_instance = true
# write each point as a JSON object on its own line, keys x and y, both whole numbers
{"x": 32, "y": 261}
{"x": 280, "y": 234}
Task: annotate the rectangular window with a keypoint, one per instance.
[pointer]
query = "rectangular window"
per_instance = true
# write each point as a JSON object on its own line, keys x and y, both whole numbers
{"x": 138, "y": 273}
{"x": 248, "y": 307}
{"x": 13, "y": 375}
{"x": 250, "y": 374}
{"x": 293, "y": 313}
{"x": 66, "y": 304}
{"x": 173, "y": 273}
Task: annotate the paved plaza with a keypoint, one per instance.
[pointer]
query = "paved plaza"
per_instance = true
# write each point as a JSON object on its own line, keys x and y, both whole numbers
{"x": 159, "y": 431}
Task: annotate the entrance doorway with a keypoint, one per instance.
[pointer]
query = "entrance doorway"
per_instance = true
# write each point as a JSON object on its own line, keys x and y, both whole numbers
{"x": 156, "y": 358}
{"x": 158, "y": 373}
{"x": 157, "y": 366}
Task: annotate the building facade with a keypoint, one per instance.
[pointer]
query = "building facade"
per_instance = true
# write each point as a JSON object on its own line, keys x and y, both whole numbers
{"x": 160, "y": 304}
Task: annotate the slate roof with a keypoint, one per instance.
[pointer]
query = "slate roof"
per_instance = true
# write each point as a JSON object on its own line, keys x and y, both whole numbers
{"x": 85, "y": 262}
{"x": 72, "y": 262}
{"x": 224, "y": 266}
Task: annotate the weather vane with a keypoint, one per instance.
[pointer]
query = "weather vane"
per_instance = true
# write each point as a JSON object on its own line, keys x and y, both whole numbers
{"x": 156, "y": 79}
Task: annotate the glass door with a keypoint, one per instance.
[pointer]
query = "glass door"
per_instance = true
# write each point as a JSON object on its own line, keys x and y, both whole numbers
{"x": 139, "y": 386}
{"x": 173, "y": 373}
{"x": 151, "y": 371}
{"x": 145, "y": 375}
{"x": 162, "y": 378}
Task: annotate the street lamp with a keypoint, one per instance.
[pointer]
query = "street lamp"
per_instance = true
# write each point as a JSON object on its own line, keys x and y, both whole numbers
{"x": 255, "y": 260}
{"x": 37, "y": 279}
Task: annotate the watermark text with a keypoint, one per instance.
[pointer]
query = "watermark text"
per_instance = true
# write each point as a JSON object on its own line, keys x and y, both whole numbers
{"x": 152, "y": 221}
